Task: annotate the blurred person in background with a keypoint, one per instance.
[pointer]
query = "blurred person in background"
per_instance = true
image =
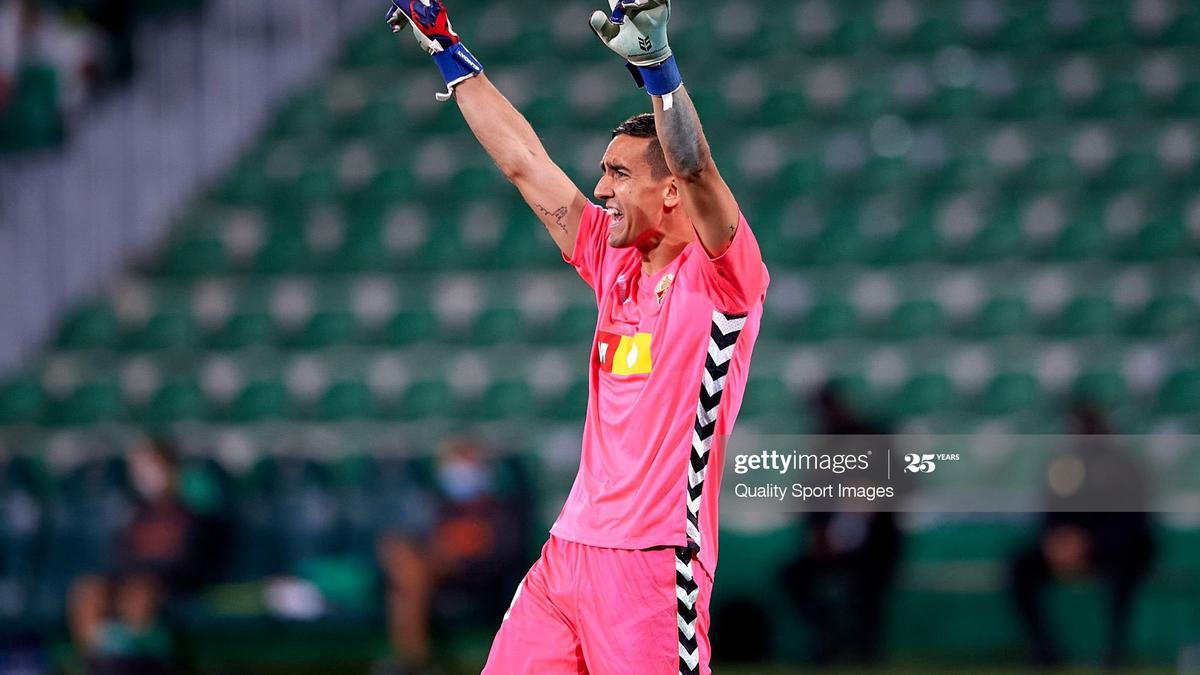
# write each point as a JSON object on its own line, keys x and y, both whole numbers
{"x": 10, "y": 47}
{"x": 464, "y": 564}
{"x": 40, "y": 35}
{"x": 858, "y": 552}
{"x": 1095, "y": 525}
{"x": 167, "y": 551}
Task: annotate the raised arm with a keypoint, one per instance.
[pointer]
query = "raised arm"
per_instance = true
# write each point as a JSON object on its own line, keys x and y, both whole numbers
{"x": 708, "y": 200}
{"x": 503, "y": 132}
{"x": 637, "y": 31}
{"x": 507, "y": 137}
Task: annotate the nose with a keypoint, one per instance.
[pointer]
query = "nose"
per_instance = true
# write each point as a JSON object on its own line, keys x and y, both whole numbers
{"x": 603, "y": 189}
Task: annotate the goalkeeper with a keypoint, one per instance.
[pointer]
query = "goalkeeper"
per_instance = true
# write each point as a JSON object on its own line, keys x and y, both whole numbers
{"x": 623, "y": 583}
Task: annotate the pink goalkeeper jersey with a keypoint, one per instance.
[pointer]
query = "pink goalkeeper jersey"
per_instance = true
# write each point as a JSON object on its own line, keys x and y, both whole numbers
{"x": 668, "y": 366}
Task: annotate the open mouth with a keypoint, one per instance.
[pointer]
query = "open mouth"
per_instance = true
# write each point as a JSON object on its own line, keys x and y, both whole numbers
{"x": 618, "y": 217}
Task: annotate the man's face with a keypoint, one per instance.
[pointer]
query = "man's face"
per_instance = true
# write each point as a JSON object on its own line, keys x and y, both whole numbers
{"x": 630, "y": 192}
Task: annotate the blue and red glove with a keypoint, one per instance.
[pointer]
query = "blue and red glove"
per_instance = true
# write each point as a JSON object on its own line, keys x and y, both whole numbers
{"x": 431, "y": 27}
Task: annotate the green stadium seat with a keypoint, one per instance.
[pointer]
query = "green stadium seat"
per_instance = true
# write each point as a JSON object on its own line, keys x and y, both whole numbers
{"x": 245, "y": 185}
{"x": 839, "y": 242}
{"x": 914, "y": 319}
{"x": 168, "y": 331}
{"x": 326, "y": 329}
{"x": 958, "y": 173}
{"x": 1186, "y": 102}
{"x": 571, "y": 404}
{"x": 91, "y": 403}
{"x": 1102, "y": 29}
{"x": 1009, "y": 392}
{"x": 196, "y": 257}
{"x": 21, "y": 402}
{"x": 92, "y": 326}
{"x": 766, "y": 397}
{"x": 523, "y": 246}
{"x": 244, "y": 330}
{"x": 828, "y": 319}
{"x": 505, "y": 399}
{"x": 362, "y": 251}
{"x": 1157, "y": 240}
{"x": 783, "y": 106}
{"x": 1181, "y": 392}
{"x": 999, "y": 317}
{"x": 1105, "y": 388}
{"x": 428, "y": 399}
{"x": 855, "y": 31}
{"x": 1046, "y": 171}
{"x": 1083, "y": 316}
{"x": 923, "y": 394}
{"x": 575, "y": 324}
{"x": 912, "y": 243}
{"x": 444, "y": 251}
{"x": 306, "y": 114}
{"x": 177, "y": 402}
{"x": 857, "y": 391}
{"x": 953, "y": 103}
{"x": 346, "y": 400}
{"x": 284, "y": 253}
{"x": 1184, "y": 31}
{"x": 996, "y": 240}
{"x": 1084, "y": 238}
{"x": 411, "y": 325}
{"x": 496, "y": 325}
{"x": 1022, "y": 31}
{"x": 1116, "y": 99}
{"x": 261, "y": 401}
{"x": 1165, "y": 316}
{"x": 1131, "y": 169}
{"x": 931, "y": 34}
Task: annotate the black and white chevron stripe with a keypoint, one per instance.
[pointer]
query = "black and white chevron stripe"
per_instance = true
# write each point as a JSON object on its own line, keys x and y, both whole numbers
{"x": 726, "y": 328}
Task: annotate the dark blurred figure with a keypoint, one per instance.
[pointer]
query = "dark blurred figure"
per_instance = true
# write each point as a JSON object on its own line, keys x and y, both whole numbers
{"x": 167, "y": 551}
{"x": 856, "y": 552}
{"x": 465, "y": 565}
{"x": 1096, "y": 524}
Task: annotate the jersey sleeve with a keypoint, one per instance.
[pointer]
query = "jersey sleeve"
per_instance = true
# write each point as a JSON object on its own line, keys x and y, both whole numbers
{"x": 737, "y": 279}
{"x": 591, "y": 242}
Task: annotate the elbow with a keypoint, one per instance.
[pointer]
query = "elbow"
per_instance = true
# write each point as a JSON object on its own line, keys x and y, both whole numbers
{"x": 692, "y": 168}
{"x": 519, "y": 166}
{"x": 514, "y": 171}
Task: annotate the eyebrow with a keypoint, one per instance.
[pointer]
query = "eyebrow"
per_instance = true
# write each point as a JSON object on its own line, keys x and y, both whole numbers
{"x": 605, "y": 166}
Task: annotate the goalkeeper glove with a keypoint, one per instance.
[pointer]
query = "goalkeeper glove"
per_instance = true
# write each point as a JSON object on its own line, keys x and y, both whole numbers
{"x": 637, "y": 31}
{"x": 431, "y": 27}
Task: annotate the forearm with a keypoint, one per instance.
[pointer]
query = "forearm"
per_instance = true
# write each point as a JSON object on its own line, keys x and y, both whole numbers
{"x": 501, "y": 129}
{"x": 708, "y": 200}
{"x": 681, "y": 136}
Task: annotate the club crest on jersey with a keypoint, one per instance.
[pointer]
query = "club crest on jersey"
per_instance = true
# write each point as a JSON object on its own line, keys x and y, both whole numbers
{"x": 624, "y": 354}
{"x": 660, "y": 291}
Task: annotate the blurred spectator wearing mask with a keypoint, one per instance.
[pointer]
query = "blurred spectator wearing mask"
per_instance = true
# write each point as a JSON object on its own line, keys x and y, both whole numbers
{"x": 166, "y": 551}
{"x": 1096, "y": 525}
{"x": 462, "y": 565}
{"x": 856, "y": 552}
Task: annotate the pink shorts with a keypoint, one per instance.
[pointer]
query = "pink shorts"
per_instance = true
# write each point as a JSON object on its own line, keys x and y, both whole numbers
{"x": 605, "y": 611}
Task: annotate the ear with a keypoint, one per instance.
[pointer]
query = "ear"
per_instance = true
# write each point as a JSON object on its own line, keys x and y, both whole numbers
{"x": 671, "y": 196}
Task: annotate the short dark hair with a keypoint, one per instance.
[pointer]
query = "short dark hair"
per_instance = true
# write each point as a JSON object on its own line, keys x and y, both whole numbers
{"x": 642, "y": 126}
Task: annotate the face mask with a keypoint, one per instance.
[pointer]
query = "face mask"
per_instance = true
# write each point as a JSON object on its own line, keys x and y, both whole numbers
{"x": 149, "y": 480}
{"x": 463, "y": 481}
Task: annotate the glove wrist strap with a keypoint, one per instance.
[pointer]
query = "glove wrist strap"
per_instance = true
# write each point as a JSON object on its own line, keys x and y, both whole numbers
{"x": 457, "y": 64}
{"x": 661, "y": 79}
